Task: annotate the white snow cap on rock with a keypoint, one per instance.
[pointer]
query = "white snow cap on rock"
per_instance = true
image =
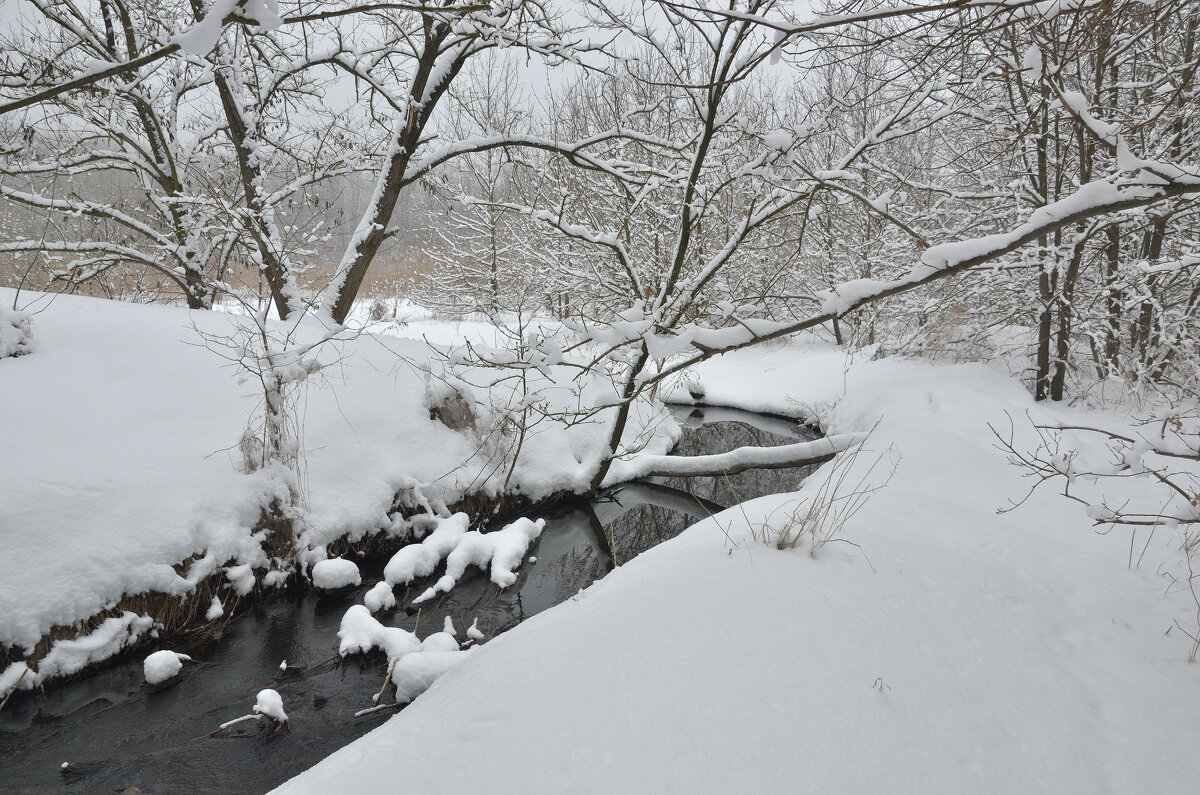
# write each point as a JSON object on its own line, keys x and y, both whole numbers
{"x": 335, "y": 573}
{"x": 162, "y": 665}
{"x": 380, "y": 597}
{"x": 360, "y": 632}
{"x": 503, "y": 550}
{"x": 419, "y": 560}
{"x": 270, "y": 704}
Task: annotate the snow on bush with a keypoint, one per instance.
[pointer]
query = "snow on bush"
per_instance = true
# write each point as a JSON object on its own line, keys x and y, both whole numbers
{"x": 241, "y": 578}
{"x": 162, "y": 665}
{"x": 335, "y": 573}
{"x": 503, "y": 549}
{"x": 16, "y": 333}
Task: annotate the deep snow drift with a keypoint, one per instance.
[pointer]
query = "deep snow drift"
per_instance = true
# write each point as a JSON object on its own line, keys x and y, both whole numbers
{"x": 942, "y": 647}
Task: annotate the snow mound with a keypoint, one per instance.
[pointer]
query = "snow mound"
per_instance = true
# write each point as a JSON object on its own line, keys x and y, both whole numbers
{"x": 380, "y": 597}
{"x": 503, "y": 550}
{"x": 419, "y": 560}
{"x": 413, "y": 675}
{"x": 335, "y": 573}
{"x": 162, "y": 665}
{"x": 360, "y": 632}
{"x": 416, "y": 664}
{"x": 269, "y": 703}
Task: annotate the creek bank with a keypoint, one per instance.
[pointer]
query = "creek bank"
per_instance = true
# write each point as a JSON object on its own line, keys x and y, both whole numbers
{"x": 118, "y": 732}
{"x": 183, "y": 622}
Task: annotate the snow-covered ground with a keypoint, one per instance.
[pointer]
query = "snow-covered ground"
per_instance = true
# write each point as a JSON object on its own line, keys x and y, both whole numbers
{"x": 942, "y": 648}
{"x": 121, "y": 460}
{"x": 932, "y": 644}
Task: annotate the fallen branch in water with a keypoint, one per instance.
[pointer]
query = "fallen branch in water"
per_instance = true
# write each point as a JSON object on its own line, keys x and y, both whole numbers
{"x": 377, "y": 708}
{"x": 386, "y": 679}
{"x": 782, "y": 457}
{"x": 225, "y": 726}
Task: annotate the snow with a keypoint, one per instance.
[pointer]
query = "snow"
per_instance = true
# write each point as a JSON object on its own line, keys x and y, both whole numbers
{"x": 200, "y": 38}
{"x": 944, "y": 647}
{"x": 930, "y": 641}
{"x": 419, "y": 560}
{"x": 120, "y": 455}
{"x": 732, "y": 461}
{"x": 439, "y": 642}
{"x": 335, "y": 573}
{"x": 361, "y": 632}
{"x": 416, "y": 673}
{"x": 162, "y": 665}
{"x": 416, "y": 664}
{"x": 268, "y": 702}
{"x": 215, "y": 610}
{"x": 502, "y": 549}
{"x": 779, "y": 139}
{"x": 12, "y": 676}
{"x": 71, "y": 656}
{"x": 380, "y": 597}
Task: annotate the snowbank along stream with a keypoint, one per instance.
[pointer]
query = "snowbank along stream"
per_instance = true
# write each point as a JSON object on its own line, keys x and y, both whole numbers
{"x": 114, "y": 731}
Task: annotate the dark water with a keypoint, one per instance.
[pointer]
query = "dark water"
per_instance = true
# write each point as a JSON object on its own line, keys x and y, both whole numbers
{"x": 116, "y": 732}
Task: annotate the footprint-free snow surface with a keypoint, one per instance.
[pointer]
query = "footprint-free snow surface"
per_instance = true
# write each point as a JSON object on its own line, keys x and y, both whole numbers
{"x": 941, "y": 647}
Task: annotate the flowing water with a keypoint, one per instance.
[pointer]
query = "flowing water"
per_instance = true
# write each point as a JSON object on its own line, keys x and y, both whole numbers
{"x": 116, "y": 733}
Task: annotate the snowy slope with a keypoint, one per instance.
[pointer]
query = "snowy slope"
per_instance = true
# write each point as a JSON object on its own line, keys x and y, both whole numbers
{"x": 109, "y": 434}
{"x": 955, "y": 650}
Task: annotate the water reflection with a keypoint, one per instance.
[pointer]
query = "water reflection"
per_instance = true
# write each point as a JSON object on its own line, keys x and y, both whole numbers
{"x": 637, "y": 516}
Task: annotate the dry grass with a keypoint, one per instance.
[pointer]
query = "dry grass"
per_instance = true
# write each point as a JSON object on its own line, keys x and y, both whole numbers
{"x": 821, "y": 517}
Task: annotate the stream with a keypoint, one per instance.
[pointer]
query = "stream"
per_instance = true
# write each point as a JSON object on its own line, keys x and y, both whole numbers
{"x": 116, "y": 732}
